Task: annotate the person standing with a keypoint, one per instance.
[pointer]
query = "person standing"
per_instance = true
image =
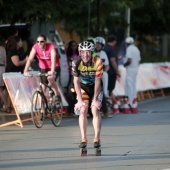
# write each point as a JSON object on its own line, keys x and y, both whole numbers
{"x": 21, "y": 53}
{"x": 72, "y": 51}
{"x": 72, "y": 54}
{"x": 14, "y": 64}
{"x": 132, "y": 63}
{"x": 113, "y": 71}
{"x": 87, "y": 74}
{"x": 2, "y": 70}
{"x": 99, "y": 45}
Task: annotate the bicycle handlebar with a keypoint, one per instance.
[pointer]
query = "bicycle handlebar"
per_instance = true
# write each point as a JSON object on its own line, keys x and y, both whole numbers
{"x": 40, "y": 75}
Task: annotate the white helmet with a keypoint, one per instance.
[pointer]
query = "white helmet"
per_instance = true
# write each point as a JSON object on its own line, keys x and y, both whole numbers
{"x": 129, "y": 40}
{"x": 100, "y": 40}
{"x": 86, "y": 45}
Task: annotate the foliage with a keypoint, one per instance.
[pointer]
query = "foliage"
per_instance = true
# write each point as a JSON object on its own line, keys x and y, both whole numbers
{"x": 97, "y": 17}
{"x": 74, "y": 15}
{"x": 13, "y": 11}
{"x": 155, "y": 17}
{"x": 94, "y": 17}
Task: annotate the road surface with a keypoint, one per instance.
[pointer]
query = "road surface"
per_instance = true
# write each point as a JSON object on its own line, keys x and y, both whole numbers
{"x": 129, "y": 142}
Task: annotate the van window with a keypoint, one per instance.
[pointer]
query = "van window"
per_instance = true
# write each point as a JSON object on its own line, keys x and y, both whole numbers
{"x": 6, "y": 30}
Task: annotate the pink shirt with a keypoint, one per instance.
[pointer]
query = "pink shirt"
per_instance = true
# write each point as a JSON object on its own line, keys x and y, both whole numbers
{"x": 74, "y": 56}
{"x": 44, "y": 56}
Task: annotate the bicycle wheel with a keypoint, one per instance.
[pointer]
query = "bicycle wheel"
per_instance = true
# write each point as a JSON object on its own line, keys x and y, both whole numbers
{"x": 38, "y": 109}
{"x": 57, "y": 115}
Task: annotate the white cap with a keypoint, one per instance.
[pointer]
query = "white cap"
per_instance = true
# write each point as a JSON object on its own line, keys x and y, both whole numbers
{"x": 129, "y": 40}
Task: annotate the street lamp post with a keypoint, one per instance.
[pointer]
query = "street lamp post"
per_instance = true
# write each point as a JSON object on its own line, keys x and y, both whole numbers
{"x": 88, "y": 28}
{"x": 128, "y": 15}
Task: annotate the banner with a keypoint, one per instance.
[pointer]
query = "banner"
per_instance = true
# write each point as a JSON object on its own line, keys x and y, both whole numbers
{"x": 151, "y": 76}
{"x": 22, "y": 88}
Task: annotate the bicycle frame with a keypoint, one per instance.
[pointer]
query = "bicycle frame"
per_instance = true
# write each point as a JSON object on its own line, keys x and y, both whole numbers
{"x": 49, "y": 101}
{"x": 47, "y": 106}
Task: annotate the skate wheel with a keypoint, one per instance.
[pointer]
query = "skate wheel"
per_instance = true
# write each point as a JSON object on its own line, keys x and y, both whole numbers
{"x": 83, "y": 152}
{"x": 97, "y": 151}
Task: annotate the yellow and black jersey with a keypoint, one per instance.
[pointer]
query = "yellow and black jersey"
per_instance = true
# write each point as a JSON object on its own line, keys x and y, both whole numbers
{"x": 88, "y": 73}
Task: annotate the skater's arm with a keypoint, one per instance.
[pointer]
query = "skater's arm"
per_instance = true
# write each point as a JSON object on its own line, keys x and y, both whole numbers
{"x": 97, "y": 88}
{"x": 77, "y": 88}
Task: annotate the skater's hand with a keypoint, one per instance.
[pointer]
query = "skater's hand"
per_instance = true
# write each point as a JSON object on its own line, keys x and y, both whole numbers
{"x": 78, "y": 105}
{"x": 97, "y": 104}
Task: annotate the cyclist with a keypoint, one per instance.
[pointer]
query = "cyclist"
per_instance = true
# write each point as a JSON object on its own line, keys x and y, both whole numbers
{"x": 87, "y": 72}
{"x": 48, "y": 63}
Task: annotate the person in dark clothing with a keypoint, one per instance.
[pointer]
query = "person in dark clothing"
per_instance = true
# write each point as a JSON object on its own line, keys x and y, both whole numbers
{"x": 16, "y": 58}
{"x": 113, "y": 71}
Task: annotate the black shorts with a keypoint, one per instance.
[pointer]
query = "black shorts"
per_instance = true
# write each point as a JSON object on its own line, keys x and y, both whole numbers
{"x": 111, "y": 83}
{"x": 44, "y": 78}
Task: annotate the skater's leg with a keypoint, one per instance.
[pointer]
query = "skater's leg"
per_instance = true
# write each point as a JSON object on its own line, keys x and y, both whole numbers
{"x": 96, "y": 122}
{"x": 83, "y": 123}
{"x": 83, "y": 129}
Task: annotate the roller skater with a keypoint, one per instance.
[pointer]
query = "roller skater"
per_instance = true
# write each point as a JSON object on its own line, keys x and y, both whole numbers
{"x": 87, "y": 72}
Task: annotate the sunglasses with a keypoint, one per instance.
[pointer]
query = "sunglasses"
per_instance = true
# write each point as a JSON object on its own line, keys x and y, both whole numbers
{"x": 40, "y": 42}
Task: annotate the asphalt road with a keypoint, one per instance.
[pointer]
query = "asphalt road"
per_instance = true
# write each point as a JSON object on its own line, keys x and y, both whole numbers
{"x": 129, "y": 142}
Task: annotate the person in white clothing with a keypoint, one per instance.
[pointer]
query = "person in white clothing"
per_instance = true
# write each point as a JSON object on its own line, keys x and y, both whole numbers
{"x": 99, "y": 44}
{"x": 131, "y": 63}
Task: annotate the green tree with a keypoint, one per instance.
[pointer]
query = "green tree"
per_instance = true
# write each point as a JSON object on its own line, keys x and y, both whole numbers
{"x": 152, "y": 17}
{"x": 13, "y": 11}
{"x": 100, "y": 17}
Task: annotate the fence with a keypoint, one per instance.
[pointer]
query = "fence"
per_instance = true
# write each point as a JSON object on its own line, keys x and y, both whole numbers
{"x": 151, "y": 76}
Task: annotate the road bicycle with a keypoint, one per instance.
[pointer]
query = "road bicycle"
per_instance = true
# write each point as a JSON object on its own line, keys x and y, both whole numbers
{"x": 43, "y": 106}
